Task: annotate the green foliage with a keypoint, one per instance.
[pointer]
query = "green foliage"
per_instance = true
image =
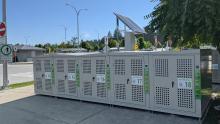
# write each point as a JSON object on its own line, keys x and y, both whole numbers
{"x": 147, "y": 44}
{"x": 142, "y": 44}
{"x": 112, "y": 43}
{"x": 185, "y": 20}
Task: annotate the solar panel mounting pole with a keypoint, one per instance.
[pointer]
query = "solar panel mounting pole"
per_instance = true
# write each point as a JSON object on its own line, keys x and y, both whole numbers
{"x": 5, "y": 62}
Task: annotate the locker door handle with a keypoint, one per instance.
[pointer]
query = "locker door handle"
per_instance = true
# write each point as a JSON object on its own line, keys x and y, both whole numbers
{"x": 172, "y": 84}
{"x": 128, "y": 81}
{"x": 65, "y": 77}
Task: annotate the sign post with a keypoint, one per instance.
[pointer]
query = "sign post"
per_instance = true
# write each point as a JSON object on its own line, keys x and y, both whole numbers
{"x": 3, "y": 32}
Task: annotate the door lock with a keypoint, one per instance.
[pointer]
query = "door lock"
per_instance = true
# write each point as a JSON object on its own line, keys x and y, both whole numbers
{"x": 172, "y": 84}
{"x": 93, "y": 79}
{"x": 65, "y": 77}
{"x": 128, "y": 80}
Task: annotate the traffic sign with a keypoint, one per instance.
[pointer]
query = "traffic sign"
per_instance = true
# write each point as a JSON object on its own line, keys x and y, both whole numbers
{"x": 2, "y": 29}
{"x": 6, "y": 53}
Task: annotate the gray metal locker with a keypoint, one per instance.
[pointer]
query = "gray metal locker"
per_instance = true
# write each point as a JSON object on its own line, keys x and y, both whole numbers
{"x": 173, "y": 78}
{"x": 92, "y": 78}
{"x": 60, "y": 82}
{"x": 128, "y": 80}
{"x": 72, "y": 87}
{"x": 38, "y": 76}
{"x": 48, "y": 76}
{"x": 65, "y": 75}
{"x": 168, "y": 81}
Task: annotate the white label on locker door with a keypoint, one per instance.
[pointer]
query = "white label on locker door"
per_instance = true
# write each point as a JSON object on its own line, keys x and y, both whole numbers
{"x": 136, "y": 80}
{"x": 71, "y": 76}
{"x": 215, "y": 66}
{"x": 47, "y": 75}
{"x": 184, "y": 83}
{"x": 100, "y": 78}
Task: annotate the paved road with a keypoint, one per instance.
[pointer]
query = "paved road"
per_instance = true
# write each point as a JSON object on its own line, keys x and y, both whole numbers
{"x": 18, "y": 73}
{"x": 21, "y": 106}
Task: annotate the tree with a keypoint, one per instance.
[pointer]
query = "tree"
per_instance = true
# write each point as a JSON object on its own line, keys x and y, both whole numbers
{"x": 117, "y": 34}
{"x": 186, "y": 20}
{"x": 109, "y": 34}
{"x": 142, "y": 44}
{"x": 112, "y": 43}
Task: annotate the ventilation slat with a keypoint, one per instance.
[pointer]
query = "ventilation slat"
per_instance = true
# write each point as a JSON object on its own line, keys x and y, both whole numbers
{"x": 38, "y": 65}
{"x": 100, "y": 66}
{"x": 161, "y": 67}
{"x": 101, "y": 90}
{"x": 184, "y": 68}
{"x": 60, "y": 65}
{"x": 119, "y": 67}
{"x": 61, "y": 86}
{"x": 72, "y": 87}
{"x": 48, "y": 85}
{"x": 136, "y": 67}
{"x": 185, "y": 98}
{"x": 162, "y": 96}
{"x": 71, "y": 66}
{"x": 137, "y": 93}
{"x": 120, "y": 91}
{"x": 39, "y": 84}
{"x": 47, "y": 66}
{"x": 87, "y": 66}
{"x": 87, "y": 88}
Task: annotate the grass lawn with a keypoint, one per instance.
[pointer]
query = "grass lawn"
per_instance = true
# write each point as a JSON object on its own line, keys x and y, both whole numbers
{"x": 18, "y": 85}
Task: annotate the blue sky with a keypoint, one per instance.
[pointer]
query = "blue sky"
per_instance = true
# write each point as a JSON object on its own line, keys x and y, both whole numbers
{"x": 39, "y": 21}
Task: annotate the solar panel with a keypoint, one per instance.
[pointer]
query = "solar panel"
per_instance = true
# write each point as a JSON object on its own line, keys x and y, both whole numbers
{"x": 130, "y": 24}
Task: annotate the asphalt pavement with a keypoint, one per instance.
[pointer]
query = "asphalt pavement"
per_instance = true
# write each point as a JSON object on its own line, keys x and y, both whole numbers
{"x": 17, "y": 73}
{"x": 21, "y": 106}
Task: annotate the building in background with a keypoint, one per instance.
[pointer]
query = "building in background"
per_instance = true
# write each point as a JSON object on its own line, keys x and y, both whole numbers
{"x": 26, "y": 53}
{"x": 71, "y": 50}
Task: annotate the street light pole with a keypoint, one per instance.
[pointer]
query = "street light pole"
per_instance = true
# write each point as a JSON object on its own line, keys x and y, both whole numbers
{"x": 65, "y": 29}
{"x": 5, "y": 62}
{"x": 77, "y": 11}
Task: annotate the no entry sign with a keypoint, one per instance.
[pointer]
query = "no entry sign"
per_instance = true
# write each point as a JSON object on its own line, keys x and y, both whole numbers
{"x": 2, "y": 29}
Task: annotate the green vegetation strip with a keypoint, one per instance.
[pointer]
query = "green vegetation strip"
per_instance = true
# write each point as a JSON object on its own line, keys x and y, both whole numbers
{"x": 18, "y": 85}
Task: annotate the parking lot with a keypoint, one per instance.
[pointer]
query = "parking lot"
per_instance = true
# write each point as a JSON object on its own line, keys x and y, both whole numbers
{"x": 21, "y": 106}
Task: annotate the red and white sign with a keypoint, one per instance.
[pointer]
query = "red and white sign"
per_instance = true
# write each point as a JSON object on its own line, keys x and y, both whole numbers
{"x": 2, "y": 29}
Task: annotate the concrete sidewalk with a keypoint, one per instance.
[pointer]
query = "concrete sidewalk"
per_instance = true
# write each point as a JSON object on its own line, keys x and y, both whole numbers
{"x": 15, "y": 94}
{"x": 21, "y": 106}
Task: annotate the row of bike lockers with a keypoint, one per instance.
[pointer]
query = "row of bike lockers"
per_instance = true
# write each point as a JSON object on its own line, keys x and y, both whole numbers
{"x": 169, "y": 82}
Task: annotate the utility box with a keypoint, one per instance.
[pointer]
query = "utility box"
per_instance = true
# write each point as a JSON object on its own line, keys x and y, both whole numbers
{"x": 168, "y": 81}
{"x": 129, "y": 41}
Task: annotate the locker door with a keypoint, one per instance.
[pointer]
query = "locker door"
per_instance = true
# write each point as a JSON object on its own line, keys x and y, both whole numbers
{"x": 184, "y": 78}
{"x": 120, "y": 77}
{"x": 71, "y": 77}
{"x": 162, "y": 93}
{"x": 87, "y": 79}
{"x": 136, "y": 85}
{"x": 100, "y": 87}
{"x": 60, "y": 75}
{"x": 48, "y": 83}
{"x": 38, "y": 76}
